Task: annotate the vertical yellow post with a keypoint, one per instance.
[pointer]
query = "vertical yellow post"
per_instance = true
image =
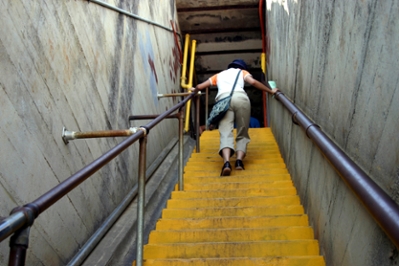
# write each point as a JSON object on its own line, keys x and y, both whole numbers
{"x": 191, "y": 74}
{"x": 263, "y": 66}
{"x": 263, "y": 62}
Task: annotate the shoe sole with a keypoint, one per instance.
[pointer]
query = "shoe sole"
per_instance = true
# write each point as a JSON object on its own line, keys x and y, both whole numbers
{"x": 226, "y": 172}
{"x": 239, "y": 168}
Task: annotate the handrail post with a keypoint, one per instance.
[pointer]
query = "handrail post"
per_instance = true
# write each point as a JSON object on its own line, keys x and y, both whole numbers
{"x": 180, "y": 181}
{"x": 19, "y": 243}
{"x": 141, "y": 200}
{"x": 206, "y": 107}
{"x": 197, "y": 118}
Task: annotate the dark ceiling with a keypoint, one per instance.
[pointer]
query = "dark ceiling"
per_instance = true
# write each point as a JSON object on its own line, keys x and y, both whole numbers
{"x": 224, "y": 30}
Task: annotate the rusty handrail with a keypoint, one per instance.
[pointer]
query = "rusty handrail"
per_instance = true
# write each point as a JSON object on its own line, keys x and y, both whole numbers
{"x": 383, "y": 208}
{"x": 22, "y": 218}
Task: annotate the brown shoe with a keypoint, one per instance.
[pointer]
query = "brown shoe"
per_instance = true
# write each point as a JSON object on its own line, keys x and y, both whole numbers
{"x": 226, "y": 169}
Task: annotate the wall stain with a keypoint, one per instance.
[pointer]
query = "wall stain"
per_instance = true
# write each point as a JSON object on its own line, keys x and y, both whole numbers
{"x": 152, "y": 66}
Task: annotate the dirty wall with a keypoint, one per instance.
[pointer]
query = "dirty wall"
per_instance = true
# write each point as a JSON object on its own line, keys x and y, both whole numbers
{"x": 83, "y": 66}
{"x": 338, "y": 62}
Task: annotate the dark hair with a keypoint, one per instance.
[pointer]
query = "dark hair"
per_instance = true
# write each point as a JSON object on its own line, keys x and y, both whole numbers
{"x": 238, "y": 63}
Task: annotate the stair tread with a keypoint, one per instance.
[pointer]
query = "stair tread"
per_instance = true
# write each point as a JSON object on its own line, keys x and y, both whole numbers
{"x": 237, "y": 185}
{"x": 236, "y": 179}
{"x": 265, "y": 261}
{"x": 233, "y": 202}
{"x": 231, "y": 234}
{"x": 240, "y": 173}
{"x": 233, "y": 249}
{"x": 234, "y": 193}
{"x": 233, "y": 222}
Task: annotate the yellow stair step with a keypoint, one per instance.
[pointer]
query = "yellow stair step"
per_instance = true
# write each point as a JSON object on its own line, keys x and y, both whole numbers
{"x": 231, "y": 234}
{"x": 218, "y": 166}
{"x": 236, "y": 185}
{"x": 235, "y": 211}
{"x": 247, "y": 160}
{"x": 267, "y": 261}
{"x": 231, "y": 202}
{"x": 245, "y": 177}
{"x": 214, "y": 153}
{"x": 254, "y": 249}
{"x": 234, "y": 193}
{"x": 271, "y": 171}
{"x": 232, "y": 222}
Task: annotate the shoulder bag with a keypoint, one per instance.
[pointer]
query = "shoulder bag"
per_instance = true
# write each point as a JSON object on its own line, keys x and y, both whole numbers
{"x": 220, "y": 108}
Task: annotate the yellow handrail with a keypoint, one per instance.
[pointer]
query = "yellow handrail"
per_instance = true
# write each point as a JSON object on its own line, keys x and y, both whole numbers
{"x": 188, "y": 85}
{"x": 263, "y": 62}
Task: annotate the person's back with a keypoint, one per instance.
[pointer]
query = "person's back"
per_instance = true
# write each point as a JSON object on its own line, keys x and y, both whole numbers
{"x": 238, "y": 114}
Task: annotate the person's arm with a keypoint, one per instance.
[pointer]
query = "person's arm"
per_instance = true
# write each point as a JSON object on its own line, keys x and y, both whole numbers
{"x": 202, "y": 85}
{"x": 259, "y": 85}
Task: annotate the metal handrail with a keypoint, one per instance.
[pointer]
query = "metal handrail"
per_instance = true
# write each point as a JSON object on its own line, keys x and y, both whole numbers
{"x": 22, "y": 218}
{"x": 127, "y": 13}
{"x": 383, "y": 208}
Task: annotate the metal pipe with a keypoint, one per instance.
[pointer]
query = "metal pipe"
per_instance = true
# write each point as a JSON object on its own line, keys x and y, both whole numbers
{"x": 11, "y": 224}
{"x": 383, "y": 208}
{"x": 173, "y": 94}
{"x": 190, "y": 84}
{"x": 197, "y": 118}
{"x": 141, "y": 201}
{"x": 181, "y": 180}
{"x": 19, "y": 243}
{"x": 184, "y": 66}
{"x": 19, "y": 217}
{"x": 206, "y": 107}
{"x": 72, "y": 135}
{"x": 117, "y": 9}
{"x": 148, "y": 117}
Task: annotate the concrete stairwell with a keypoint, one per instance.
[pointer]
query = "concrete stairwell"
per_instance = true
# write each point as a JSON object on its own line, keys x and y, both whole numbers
{"x": 252, "y": 217}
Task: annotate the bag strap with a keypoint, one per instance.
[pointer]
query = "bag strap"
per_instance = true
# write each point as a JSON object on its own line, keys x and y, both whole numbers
{"x": 235, "y": 82}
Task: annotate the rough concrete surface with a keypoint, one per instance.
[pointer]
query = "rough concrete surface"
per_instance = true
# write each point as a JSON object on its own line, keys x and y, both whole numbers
{"x": 338, "y": 62}
{"x": 83, "y": 66}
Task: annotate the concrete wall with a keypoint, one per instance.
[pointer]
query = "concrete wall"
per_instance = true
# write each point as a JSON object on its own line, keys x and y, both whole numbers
{"x": 79, "y": 65}
{"x": 338, "y": 62}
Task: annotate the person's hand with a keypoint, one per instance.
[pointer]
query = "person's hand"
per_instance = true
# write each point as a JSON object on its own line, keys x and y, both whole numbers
{"x": 275, "y": 90}
{"x": 191, "y": 89}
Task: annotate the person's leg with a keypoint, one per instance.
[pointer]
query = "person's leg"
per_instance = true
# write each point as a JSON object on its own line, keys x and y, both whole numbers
{"x": 226, "y": 126}
{"x": 226, "y": 150}
{"x": 242, "y": 108}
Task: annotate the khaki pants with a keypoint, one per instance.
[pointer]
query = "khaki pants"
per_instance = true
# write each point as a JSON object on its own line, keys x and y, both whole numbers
{"x": 240, "y": 113}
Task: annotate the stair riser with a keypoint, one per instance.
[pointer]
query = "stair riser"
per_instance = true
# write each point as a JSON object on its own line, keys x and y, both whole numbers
{"x": 233, "y": 235}
{"x": 233, "y": 202}
{"x": 232, "y": 249}
{"x": 234, "y": 172}
{"x": 234, "y": 193}
{"x": 246, "y": 177}
{"x": 232, "y": 222}
{"x": 242, "y": 185}
{"x": 270, "y": 261}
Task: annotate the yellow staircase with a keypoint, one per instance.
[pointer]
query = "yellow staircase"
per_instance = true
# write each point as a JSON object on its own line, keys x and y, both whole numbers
{"x": 252, "y": 217}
